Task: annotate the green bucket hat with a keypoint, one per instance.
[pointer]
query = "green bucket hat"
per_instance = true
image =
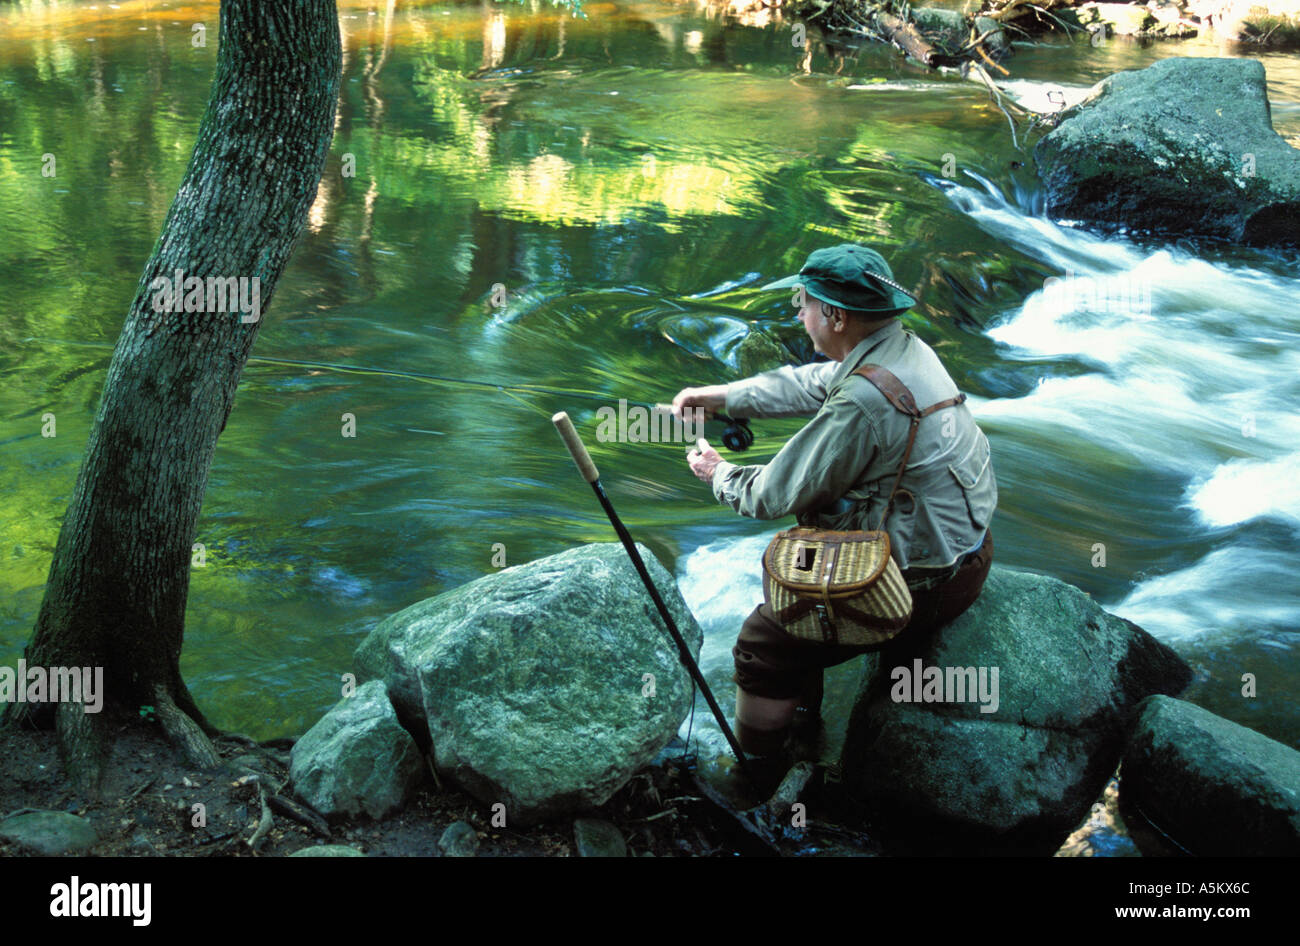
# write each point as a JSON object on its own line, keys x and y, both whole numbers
{"x": 851, "y": 276}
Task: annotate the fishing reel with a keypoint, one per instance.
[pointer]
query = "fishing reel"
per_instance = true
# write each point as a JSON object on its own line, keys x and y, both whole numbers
{"x": 736, "y": 435}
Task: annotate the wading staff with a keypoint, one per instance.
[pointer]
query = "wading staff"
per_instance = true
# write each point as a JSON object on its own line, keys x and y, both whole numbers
{"x": 578, "y": 450}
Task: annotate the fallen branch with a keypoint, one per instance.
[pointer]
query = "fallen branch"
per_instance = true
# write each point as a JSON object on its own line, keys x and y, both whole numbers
{"x": 985, "y": 57}
{"x": 978, "y": 40}
{"x": 1012, "y": 7}
{"x": 997, "y": 99}
{"x": 263, "y": 824}
{"x": 906, "y": 36}
{"x": 301, "y": 814}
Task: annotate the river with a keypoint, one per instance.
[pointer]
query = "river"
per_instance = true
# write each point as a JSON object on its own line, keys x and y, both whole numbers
{"x": 589, "y": 204}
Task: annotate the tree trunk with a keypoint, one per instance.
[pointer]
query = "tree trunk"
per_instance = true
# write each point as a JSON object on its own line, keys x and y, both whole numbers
{"x": 120, "y": 575}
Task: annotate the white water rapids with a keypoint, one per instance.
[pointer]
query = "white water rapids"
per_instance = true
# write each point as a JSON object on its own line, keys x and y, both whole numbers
{"x": 1175, "y": 366}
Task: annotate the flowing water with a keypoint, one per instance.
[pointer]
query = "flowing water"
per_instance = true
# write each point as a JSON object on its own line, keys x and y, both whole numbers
{"x": 589, "y": 204}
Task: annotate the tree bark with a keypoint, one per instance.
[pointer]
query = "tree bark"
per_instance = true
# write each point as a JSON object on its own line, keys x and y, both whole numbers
{"x": 120, "y": 575}
{"x": 906, "y": 36}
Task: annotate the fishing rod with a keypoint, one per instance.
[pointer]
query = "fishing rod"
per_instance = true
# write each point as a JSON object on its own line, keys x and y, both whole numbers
{"x": 736, "y": 435}
{"x": 578, "y": 450}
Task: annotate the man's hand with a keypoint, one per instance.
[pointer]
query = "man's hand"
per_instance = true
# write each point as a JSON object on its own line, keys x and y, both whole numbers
{"x": 712, "y": 398}
{"x": 703, "y": 460}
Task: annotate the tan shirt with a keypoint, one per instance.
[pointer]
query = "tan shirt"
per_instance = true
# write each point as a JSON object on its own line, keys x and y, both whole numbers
{"x": 837, "y": 471}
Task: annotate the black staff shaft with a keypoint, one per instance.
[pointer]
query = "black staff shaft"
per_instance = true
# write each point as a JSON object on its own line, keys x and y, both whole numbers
{"x": 589, "y": 472}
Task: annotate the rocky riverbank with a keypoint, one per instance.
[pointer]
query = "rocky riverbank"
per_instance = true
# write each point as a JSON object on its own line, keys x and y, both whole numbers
{"x": 534, "y": 712}
{"x": 537, "y": 692}
{"x": 980, "y": 29}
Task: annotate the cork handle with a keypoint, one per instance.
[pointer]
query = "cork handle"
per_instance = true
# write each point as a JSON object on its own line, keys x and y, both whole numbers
{"x": 577, "y": 449}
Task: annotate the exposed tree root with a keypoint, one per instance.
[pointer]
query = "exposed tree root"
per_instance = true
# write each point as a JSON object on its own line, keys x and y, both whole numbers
{"x": 184, "y": 731}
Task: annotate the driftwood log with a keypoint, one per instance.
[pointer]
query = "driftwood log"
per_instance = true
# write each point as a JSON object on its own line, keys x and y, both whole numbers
{"x": 904, "y": 35}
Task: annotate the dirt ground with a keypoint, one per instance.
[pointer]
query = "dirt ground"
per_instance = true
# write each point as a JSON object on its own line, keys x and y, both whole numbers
{"x": 146, "y": 808}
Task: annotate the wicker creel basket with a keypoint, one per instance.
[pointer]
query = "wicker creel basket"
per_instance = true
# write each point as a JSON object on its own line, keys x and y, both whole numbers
{"x": 835, "y": 587}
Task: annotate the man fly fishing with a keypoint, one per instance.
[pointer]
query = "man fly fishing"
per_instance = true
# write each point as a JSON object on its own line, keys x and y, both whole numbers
{"x": 841, "y": 470}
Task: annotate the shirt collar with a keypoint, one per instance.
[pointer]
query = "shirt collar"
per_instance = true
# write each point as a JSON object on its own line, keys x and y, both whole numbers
{"x": 858, "y": 355}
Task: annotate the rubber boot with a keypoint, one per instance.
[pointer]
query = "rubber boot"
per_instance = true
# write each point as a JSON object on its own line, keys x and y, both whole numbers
{"x": 805, "y": 743}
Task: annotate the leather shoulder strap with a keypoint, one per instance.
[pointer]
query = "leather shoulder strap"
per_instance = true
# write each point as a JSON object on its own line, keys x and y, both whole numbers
{"x": 895, "y": 391}
{"x": 898, "y": 394}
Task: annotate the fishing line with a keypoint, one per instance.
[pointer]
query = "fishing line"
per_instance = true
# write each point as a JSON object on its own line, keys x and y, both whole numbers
{"x": 736, "y": 436}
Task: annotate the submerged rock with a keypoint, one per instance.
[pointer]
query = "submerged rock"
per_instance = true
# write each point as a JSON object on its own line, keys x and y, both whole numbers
{"x": 544, "y": 686}
{"x": 1185, "y": 146}
{"x": 1014, "y": 759}
{"x": 1215, "y": 787}
{"x": 357, "y": 758}
{"x": 49, "y": 832}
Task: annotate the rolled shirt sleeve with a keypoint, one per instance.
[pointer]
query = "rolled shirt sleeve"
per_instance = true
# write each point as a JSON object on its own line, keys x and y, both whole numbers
{"x": 785, "y": 392}
{"x": 816, "y": 467}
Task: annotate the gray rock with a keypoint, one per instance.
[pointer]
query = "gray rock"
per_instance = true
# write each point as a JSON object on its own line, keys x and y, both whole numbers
{"x": 327, "y": 850}
{"x": 947, "y": 775}
{"x": 1185, "y": 146}
{"x": 49, "y": 832}
{"x": 997, "y": 40}
{"x": 945, "y": 27}
{"x": 357, "y": 758}
{"x": 1217, "y": 788}
{"x": 533, "y": 681}
{"x": 947, "y": 31}
{"x": 595, "y": 838}
{"x": 459, "y": 840}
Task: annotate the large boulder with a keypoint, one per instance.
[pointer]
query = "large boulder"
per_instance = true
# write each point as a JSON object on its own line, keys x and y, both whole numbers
{"x": 544, "y": 686}
{"x": 1185, "y": 146}
{"x": 1217, "y": 788}
{"x": 357, "y": 758}
{"x": 1013, "y": 760}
